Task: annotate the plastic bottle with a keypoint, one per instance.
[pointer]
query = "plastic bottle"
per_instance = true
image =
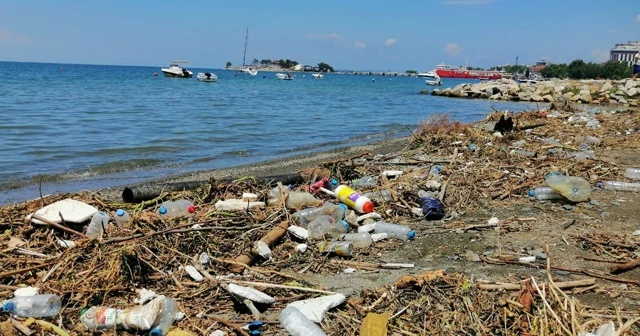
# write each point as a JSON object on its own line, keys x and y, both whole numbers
{"x": 122, "y": 217}
{"x": 632, "y": 173}
{"x": 364, "y": 182}
{"x": 432, "y": 208}
{"x": 179, "y": 208}
{"x": 621, "y": 186}
{"x": 274, "y": 197}
{"x": 573, "y": 188}
{"x": 306, "y": 216}
{"x": 359, "y": 240}
{"x": 379, "y": 196}
{"x": 544, "y": 193}
{"x": 354, "y": 200}
{"x": 297, "y": 324}
{"x": 434, "y": 172}
{"x": 395, "y": 230}
{"x": 45, "y": 305}
{"x": 326, "y": 224}
{"x": 301, "y": 199}
{"x": 99, "y": 222}
{"x": 342, "y": 248}
{"x": 168, "y": 314}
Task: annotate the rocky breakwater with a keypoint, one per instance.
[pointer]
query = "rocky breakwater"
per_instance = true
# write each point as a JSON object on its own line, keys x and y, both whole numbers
{"x": 626, "y": 91}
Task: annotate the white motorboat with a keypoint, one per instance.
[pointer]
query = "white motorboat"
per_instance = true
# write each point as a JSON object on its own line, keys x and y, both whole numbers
{"x": 317, "y": 75}
{"x": 286, "y": 76}
{"x": 432, "y": 78}
{"x": 176, "y": 71}
{"x": 249, "y": 71}
{"x": 207, "y": 77}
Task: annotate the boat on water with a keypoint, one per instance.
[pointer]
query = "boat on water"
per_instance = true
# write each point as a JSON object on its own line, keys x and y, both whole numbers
{"x": 317, "y": 75}
{"x": 207, "y": 77}
{"x": 446, "y": 71}
{"x": 246, "y": 69}
{"x": 176, "y": 71}
{"x": 286, "y": 76}
{"x": 431, "y": 78}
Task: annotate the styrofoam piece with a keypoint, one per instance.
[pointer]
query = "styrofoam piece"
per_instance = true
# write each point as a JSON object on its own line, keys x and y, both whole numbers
{"x": 193, "y": 273}
{"x": 493, "y": 221}
{"x": 26, "y": 291}
{"x": 219, "y": 333}
{"x": 369, "y": 215}
{"x": 250, "y": 293}
{"x": 314, "y": 309}
{"x": 263, "y": 249}
{"x": 236, "y": 204}
{"x": 528, "y": 259}
{"x": 73, "y": 211}
{"x": 66, "y": 243}
{"x": 249, "y": 197}
{"x": 379, "y": 236}
{"x": 367, "y": 227}
{"x": 349, "y": 270}
{"x": 302, "y": 248}
{"x": 392, "y": 173}
{"x": 298, "y": 231}
{"x": 144, "y": 296}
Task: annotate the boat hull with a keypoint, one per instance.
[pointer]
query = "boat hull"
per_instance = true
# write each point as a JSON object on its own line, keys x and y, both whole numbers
{"x": 468, "y": 74}
{"x": 175, "y": 75}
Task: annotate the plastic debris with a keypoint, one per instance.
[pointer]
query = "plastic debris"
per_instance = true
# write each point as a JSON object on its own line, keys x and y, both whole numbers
{"x": 71, "y": 210}
{"x": 314, "y": 309}
{"x": 193, "y": 273}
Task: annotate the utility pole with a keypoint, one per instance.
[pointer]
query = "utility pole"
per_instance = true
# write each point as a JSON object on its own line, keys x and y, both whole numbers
{"x": 515, "y": 71}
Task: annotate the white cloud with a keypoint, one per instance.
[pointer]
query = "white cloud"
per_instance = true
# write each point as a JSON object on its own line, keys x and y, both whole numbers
{"x": 8, "y": 37}
{"x": 331, "y": 36}
{"x": 600, "y": 55}
{"x": 389, "y": 42}
{"x": 467, "y": 2}
{"x": 359, "y": 45}
{"x": 638, "y": 18}
{"x": 452, "y": 49}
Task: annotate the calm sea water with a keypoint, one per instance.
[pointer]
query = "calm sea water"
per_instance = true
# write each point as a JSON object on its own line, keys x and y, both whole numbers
{"x": 90, "y": 126}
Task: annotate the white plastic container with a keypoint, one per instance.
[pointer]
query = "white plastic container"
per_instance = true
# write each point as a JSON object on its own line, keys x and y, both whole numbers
{"x": 632, "y": 173}
{"x": 168, "y": 313}
{"x": 45, "y": 305}
{"x": 122, "y": 217}
{"x": 326, "y": 225}
{"x": 99, "y": 222}
{"x": 395, "y": 231}
{"x": 544, "y": 193}
{"x": 297, "y": 324}
{"x": 353, "y": 199}
{"x": 621, "y": 186}
{"x": 360, "y": 240}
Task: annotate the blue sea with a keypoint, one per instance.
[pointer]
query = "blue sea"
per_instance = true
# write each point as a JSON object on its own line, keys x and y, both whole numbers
{"x": 75, "y": 127}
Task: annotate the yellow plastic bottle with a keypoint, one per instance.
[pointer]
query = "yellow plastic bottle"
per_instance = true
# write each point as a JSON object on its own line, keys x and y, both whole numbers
{"x": 353, "y": 199}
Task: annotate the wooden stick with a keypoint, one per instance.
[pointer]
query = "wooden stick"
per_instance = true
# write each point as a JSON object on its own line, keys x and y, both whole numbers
{"x": 271, "y": 238}
{"x": 23, "y": 270}
{"x": 561, "y": 285}
{"x": 444, "y": 186}
{"x": 626, "y": 267}
{"x": 7, "y": 287}
{"x": 23, "y": 329}
{"x": 58, "y": 226}
{"x": 237, "y": 329}
{"x": 176, "y": 229}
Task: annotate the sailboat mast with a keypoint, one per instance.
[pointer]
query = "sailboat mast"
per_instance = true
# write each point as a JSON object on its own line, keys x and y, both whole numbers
{"x": 244, "y": 57}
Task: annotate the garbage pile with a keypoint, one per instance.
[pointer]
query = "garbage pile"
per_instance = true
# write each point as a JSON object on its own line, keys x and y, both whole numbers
{"x": 232, "y": 256}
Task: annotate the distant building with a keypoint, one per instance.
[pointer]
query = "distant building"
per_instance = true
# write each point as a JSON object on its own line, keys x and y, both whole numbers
{"x": 624, "y": 52}
{"x": 541, "y": 64}
{"x": 308, "y": 68}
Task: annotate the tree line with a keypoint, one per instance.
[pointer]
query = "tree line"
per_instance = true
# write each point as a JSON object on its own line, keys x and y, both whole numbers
{"x": 579, "y": 69}
{"x": 285, "y": 64}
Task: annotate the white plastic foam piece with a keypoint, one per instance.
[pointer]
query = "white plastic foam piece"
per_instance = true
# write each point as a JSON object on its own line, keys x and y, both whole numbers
{"x": 299, "y": 232}
{"x": 72, "y": 211}
{"x": 250, "y": 293}
{"x": 193, "y": 273}
{"x": 314, "y": 309}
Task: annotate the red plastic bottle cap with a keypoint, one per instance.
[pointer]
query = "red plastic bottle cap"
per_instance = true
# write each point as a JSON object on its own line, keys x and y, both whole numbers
{"x": 367, "y": 207}
{"x": 191, "y": 209}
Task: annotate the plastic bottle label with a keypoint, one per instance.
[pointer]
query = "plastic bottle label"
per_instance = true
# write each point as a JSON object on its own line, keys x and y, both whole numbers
{"x": 100, "y": 318}
{"x": 348, "y": 196}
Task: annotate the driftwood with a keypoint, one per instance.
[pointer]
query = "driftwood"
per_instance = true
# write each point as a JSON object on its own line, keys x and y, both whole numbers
{"x": 626, "y": 267}
{"x": 271, "y": 238}
{"x": 561, "y": 285}
{"x": 151, "y": 191}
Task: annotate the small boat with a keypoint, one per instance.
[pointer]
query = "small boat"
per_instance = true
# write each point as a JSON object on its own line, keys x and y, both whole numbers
{"x": 249, "y": 71}
{"x": 317, "y": 75}
{"x": 286, "y": 76}
{"x": 176, "y": 71}
{"x": 207, "y": 77}
{"x": 246, "y": 69}
{"x": 432, "y": 78}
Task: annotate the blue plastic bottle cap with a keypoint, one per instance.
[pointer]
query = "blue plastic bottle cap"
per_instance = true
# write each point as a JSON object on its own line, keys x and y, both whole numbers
{"x": 162, "y": 210}
{"x": 531, "y": 193}
{"x": 255, "y": 325}
{"x": 9, "y": 306}
{"x": 254, "y": 332}
{"x": 155, "y": 332}
{"x": 346, "y": 225}
{"x": 411, "y": 234}
{"x": 120, "y": 212}
{"x": 344, "y": 206}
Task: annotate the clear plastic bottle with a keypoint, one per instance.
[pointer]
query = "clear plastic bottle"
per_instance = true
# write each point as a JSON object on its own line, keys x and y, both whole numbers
{"x": 45, "y": 305}
{"x": 301, "y": 199}
{"x": 359, "y": 240}
{"x": 122, "y": 217}
{"x": 380, "y": 196}
{"x": 98, "y": 224}
{"x": 297, "y": 324}
{"x": 274, "y": 197}
{"x": 544, "y": 193}
{"x": 573, "y": 188}
{"x": 342, "y": 248}
{"x": 621, "y": 186}
{"x": 364, "y": 182}
{"x": 632, "y": 173}
{"x": 179, "y": 208}
{"x": 168, "y": 314}
{"x": 395, "y": 230}
{"x": 306, "y": 216}
{"x": 327, "y": 224}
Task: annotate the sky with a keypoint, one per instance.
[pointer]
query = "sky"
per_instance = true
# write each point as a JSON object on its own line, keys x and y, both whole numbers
{"x": 356, "y": 35}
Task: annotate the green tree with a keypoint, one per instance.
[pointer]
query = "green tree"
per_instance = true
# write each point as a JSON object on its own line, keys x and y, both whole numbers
{"x": 324, "y": 67}
{"x": 555, "y": 71}
{"x": 255, "y": 62}
{"x": 287, "y": 64}
{"x": 265, "y": 62}
{"x": 228, "y": 65}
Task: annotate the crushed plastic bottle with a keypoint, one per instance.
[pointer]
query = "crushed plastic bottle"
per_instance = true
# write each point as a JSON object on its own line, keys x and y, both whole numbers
{"x": 575, "y": 189}
{"x": 380, "y": 196}
{"x": 621, "y": 186}
{"x": 274, "y": 197}
{"x": 179, "y": 208}
{"x": 137, "y": 317}
{"x": 327, "y": 225}
{"x": 99, "y": 222}
{"x": 432, "y": 208}
{"x": 45, "y": 305}
{"x": 300, "y": 200}
{"x": 306, "y": 216}
{"x": 167, "y": 315}
{"x": 434, "y": 172}
{"x": 359, "y": 240}
{"x": 297, "y": 324}
{"x": 632, "y": 173}
{"x": 341, "y": 248}
{"x": 544, "y": 193}
{"x": 394, "y": 230}
{"x": 364, "y": 182}
{"x": 122, "y": 217}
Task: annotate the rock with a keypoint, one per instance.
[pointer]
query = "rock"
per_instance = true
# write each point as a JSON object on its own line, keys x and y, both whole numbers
{"x": 631, "y": 83}
{"x": 536, "y": 98}
{"x": 567, "y": 206}
{"x": 495, "y": 96}
{"x": 513, "y": 89}
{"x": 471, "y": 256}
{"x": 586, "y": 97}
{"x": 622, "y": 101}
{"x": 574, "y": 98}
{"x": 548, "y": 99}
{"x": 524, "y": 96}
{"x": 633, "y": 103}
{"x": 606, "y": 87}
{"x": 632, "y": 92}
{"x": 436, "y": 92}
{"x": 568, "y": 95}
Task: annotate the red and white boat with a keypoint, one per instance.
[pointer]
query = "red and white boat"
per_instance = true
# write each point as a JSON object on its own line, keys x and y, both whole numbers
{"x": 446, "y": 71}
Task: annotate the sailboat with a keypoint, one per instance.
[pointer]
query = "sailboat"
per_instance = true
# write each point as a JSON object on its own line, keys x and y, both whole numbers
{"x": 246, "y": 69}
